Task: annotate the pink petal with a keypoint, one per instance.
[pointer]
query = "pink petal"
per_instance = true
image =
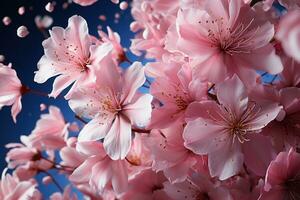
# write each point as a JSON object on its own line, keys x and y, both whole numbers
{"x": 117, "y": 142}
{"x": 268, "y": 112}
{"x": 203, "y": 136}
{"x": 91, "y": 148}
{"x": 134, "y": 78}
{"x": 232, "y": 94}
{"x": 82, "y": 173}
{"x": 16, "y": 108}
{"x": 61, "y": 82}
{"x": 94, "y": 130}
{"x": 258, "y": 153}
{"x": 227, "y": 161}
{"x": 139, "y": 112}
{"x": 120, "y": 178}
{"x": 264, "y": 58}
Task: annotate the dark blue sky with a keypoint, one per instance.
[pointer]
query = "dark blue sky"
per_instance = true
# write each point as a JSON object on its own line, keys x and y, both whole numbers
{"x": 25, "y": 53}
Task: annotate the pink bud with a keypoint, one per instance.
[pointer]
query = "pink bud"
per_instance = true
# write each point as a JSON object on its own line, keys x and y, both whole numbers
{"x": 6, "y": 21}
{"x": 22, "y": 31}
{"x": 49, "y": 7}
{"x": 43, "y": 107}
{"x": 21, "y": 10}
{"x": 123, "y": 5}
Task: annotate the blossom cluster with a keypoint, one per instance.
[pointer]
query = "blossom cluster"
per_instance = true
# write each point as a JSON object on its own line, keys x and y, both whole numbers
{"x": 212, "y": 124}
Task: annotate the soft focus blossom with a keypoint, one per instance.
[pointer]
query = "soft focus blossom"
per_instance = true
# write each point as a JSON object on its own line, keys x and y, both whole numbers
{"x": 289, "y": 35}
{"x": 290, "y": 76}
{"x": 26, "y": 159}
{"x": 43, "y": 22}
{"x": 286, "y": 128}
{"x": 228, "y": 131}
{"x": 51, "y": 130}
{"x": 282, "y": 178}
{"x": 10, "y": 90}
{"x": 13, "y": 189}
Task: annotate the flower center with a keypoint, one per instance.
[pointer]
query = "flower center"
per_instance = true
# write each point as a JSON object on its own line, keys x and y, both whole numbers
{"x": 202, "y": 196}
{"x": 292, "y": 187}
{"x": 230, "y": 40}
{"x": 238, "y": 131}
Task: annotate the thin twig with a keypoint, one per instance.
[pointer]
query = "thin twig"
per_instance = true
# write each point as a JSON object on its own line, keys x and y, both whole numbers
{"x": 146, "y": 86}
{"x": 80, "y": 119}
{"x": 137, "y": 130}
{"x": 53, "y": 180}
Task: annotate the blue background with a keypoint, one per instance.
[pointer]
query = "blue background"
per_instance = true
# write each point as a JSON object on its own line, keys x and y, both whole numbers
{"x": 25, "y": 53}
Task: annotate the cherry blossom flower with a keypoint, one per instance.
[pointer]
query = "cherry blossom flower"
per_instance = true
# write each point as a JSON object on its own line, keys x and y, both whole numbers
{"x": 290, "y": 76}
{"x": 152, "y": 28}
{"x": 26, "y": 159}
{"x": 227, "y": 132}
{"x": 43, "y": 22}
{"x": 227, "y": 35}
{"x": 289, "y": 35}
{"x": 139, "y": 156}
{"x": 51, "y": 131}
{"x": 114, "y": 39}
{"x": 175, "y": 91}
{"x": 85, "y": 2}
{"x": 70, "y": 54}
{"x": 99, "y": 170}
{"x": 168, "y": 153}
{"x": 114, "y": 107}
{"x": 10, "y": 90}
{"x": 282, "y": 178}
{"x": 285, "y": 129}
{"x": 13, "y": 189}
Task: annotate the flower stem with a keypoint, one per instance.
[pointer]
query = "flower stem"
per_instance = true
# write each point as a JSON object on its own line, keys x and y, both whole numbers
{"x": 53, "y": 180}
